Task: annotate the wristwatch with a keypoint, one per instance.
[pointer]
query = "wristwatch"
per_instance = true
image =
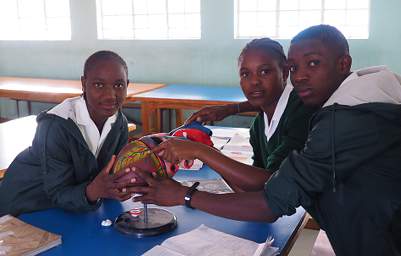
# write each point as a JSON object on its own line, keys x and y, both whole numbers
{"x": 190, "y": 192}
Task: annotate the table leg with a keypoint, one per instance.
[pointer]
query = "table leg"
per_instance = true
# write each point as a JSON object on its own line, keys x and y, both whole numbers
{"x": 150, "y": 115}
{"x": 157, "y": 126}
{"x": 29, "y": 107}
{"x": 18, "y": 113}
{"x": 179, "y": 117}
{"x": 145, "y": 118}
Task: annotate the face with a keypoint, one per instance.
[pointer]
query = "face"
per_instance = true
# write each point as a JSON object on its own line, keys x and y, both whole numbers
{"x": 105, "y": 87}
{"x": 316, "y": 71}
{"x": 262, "y": 79}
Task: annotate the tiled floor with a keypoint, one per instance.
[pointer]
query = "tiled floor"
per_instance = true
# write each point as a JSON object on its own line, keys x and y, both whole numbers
{"x": 303, "y": 245}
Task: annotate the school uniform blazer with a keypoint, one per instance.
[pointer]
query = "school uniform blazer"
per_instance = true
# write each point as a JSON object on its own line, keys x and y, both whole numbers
{"x": 56, "y": 169}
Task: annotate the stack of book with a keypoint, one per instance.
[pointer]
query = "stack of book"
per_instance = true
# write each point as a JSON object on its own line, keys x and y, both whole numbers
{"x": 20, "y": 238}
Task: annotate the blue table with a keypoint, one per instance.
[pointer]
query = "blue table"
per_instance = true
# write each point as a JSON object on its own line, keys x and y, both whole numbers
{"x": 179, "y": 97}
{"x": 82, "y": 233}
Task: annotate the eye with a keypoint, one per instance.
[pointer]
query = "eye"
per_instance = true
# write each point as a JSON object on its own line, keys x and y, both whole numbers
{"x": 119, "y": 85}
{"x": 313, "y": 63}
{"x": 292, "y": 68}
{"x": 98, "y": 85}
{"x": 243, "y": 74}
{"x": 264, "y": 72}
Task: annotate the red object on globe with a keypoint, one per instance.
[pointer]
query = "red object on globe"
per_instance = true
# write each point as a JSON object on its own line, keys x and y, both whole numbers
{"x": 138, "y": 153}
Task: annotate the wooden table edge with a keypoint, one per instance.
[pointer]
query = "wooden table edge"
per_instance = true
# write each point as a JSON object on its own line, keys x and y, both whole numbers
{"x": 291, "y": 241}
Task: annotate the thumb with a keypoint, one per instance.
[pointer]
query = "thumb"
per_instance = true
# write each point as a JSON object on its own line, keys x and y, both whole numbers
{"x": 159, "y": 149}
{"x": 109, "y": 166}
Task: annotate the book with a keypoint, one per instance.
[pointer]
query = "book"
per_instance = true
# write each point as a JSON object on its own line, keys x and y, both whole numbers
{"x": 238, "y": 142}
{"x": 20, "y": 238}
{"x": 207, "y": 241}
{"x": 215, "y": 186}
{"x": 240, "y": 156}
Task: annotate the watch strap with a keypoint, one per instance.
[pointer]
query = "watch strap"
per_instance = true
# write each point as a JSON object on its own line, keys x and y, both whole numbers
{"x": 188, "y": 196}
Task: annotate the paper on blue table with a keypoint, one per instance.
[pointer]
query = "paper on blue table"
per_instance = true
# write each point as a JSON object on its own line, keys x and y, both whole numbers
{"x": 207, "y": 241}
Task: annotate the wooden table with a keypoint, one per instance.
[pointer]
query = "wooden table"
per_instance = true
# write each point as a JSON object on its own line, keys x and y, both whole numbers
{"x": 53, "y": 91}
{"x": 15, "y": 136}
{"x": 179, "y": 97}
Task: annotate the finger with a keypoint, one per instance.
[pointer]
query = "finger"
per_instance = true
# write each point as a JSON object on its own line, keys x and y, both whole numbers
{"x": 108, "y": 167}
{"x": 146, "y": 176}
{"x": 121, "y": 185}
{"x": 125, "y": 197}
{"x": 114, "y": 194}
{"x": 120, "y": 174}
{"x": 138, "y": 190}
{"x": 192, "y": 118}
{"x": 159, "y": 148}
{"x": 199, "y": 119}
{"x": 149, "y": 201}
{"x": 121, "y": 194}
{"x": 144, "y": 199}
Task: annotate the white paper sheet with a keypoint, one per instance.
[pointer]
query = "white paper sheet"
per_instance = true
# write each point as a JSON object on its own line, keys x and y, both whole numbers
{"x": 206, "y": 241}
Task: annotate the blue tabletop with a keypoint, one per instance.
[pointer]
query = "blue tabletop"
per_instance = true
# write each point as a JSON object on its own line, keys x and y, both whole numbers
{"x": 82, "y": 233}
{"x": 196, "y": 92}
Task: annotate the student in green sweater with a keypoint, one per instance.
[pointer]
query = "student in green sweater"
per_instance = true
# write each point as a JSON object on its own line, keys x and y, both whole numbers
{"x": 281, "y": 125}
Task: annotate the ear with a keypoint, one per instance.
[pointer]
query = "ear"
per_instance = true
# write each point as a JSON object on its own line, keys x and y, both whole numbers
{"x": 344, "y": 64}
{"x": 286, "y": 72}
{"x": 83, "y": 83}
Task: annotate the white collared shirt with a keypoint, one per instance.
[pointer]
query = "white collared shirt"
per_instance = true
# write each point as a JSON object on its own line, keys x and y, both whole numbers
{"x": 75, "y": 109}
{"x": 278, "y": 112}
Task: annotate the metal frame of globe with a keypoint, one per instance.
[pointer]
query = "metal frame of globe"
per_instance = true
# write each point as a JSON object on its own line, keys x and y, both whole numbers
{"x": 142, "y": 222}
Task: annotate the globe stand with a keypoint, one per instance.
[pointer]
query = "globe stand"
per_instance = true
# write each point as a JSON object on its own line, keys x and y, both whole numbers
{"x": 145, "y": 222}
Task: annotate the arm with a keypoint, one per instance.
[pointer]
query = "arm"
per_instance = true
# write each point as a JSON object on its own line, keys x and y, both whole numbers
{"x": 242, "y": 176}
{"x": 217, "y": 113}
{"x": 167, "y": 192}
{"x": 338, "y": 145}
{"x": 65, "y": 181}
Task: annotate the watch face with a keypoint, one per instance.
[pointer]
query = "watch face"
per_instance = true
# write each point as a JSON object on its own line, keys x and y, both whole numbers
{"x": 139, "y": 154}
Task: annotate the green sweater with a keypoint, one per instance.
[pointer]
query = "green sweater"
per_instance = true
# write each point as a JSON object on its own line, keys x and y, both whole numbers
{"x": 290, "y": 134}
{"x": 348, "y": 177}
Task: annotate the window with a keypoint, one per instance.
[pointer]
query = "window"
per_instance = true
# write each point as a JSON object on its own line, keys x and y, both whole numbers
{"x": 285, "y": 18}
{"x": 35, "y": 20}
{"x": 148, "y": 19}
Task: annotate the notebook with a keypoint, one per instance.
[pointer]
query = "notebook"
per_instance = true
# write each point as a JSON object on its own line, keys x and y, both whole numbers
{"x": 20, "y": 238}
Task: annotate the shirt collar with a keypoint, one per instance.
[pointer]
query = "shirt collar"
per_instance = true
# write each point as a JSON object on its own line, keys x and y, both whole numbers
{"x": 280, "y": 107}
{"x": 83, "y": 117}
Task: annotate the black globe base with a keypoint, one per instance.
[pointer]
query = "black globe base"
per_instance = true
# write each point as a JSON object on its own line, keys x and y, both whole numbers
{"x": 158, "y": 221}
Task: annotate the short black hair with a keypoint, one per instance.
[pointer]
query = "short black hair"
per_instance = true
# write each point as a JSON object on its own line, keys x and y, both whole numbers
{"x": 104, "y": 55}
{"x": 327, "y": 34}
{"x": 266, "y": 44}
